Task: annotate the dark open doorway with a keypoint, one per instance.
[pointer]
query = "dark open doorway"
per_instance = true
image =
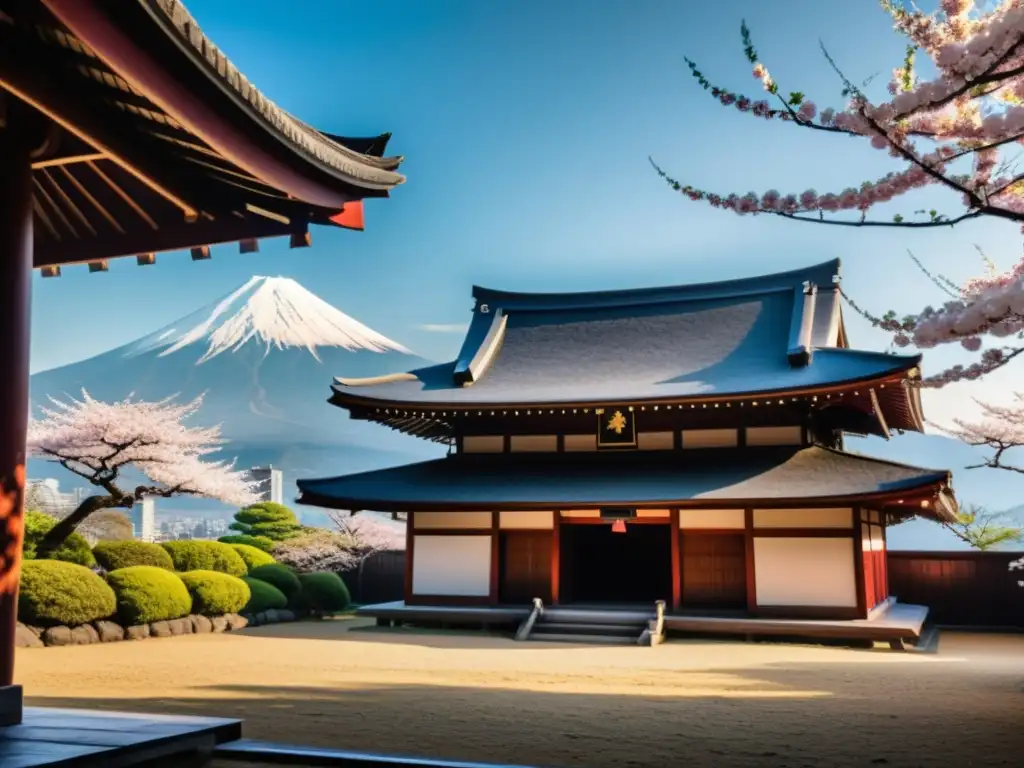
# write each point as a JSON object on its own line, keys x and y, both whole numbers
{"x": 598, "y": 565}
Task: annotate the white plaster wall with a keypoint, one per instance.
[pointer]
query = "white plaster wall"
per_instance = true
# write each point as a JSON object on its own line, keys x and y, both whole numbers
{"x": 775, "y": 435}
{"x": 581, "y": 513}
{"x": 527, "y": 520}
{"x": 533, "y": 443}
{"x": 483, "y": 444}
{"x": 803, "y": 518}
{"x": 876, "y": 516}
{"x": 656, "y": 441}
{"x": 452, "y": 565}
{"x": 581, "y": 442}
{"x": 710, "y": 438}
{"x": 654, "y": 513}
{"x": 435, "y": 520}
{"x": 805, "y": 571}
{"x": 712, "y": 518}
{"x": 877, "y": 540}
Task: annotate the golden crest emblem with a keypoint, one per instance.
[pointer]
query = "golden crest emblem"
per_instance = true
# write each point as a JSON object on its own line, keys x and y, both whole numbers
{"x": 617, "y": 423}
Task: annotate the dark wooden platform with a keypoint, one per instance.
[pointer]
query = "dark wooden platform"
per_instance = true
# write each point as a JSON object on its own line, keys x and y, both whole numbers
{"x": 890, "y": 623}
{"x": 73, "y": 737}
{"x": 898, "y": 622}
{"x": 459, "y": 614}
{"x": 267, "y": 753}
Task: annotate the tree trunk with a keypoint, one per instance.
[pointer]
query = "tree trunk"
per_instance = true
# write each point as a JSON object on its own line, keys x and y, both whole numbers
{"x": 57, "y": 535}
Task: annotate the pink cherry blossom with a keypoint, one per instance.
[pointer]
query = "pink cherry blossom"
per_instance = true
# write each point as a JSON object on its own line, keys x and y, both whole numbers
{"x": 96, "y": 440}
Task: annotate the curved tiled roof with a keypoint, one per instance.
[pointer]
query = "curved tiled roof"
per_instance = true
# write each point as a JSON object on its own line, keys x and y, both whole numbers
{"x": 734, "y": 338}
{"x": 364, "y": 170}
{"x": 577, "y": 480}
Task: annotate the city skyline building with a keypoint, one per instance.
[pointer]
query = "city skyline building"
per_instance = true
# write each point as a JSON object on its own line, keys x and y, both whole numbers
{"x": 143, "y": 516}
{"x": 271, "y": 483}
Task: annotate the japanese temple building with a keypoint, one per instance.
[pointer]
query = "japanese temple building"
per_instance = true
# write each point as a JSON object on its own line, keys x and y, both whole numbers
{"x": 125, "y": 132}
{"x": 682, "y": 444}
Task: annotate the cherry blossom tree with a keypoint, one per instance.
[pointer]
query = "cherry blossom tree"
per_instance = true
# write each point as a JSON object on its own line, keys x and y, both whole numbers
{"x": 99, "y": 441}
{"x": 953, "y": 129}
{"x": 1001, "y": 429}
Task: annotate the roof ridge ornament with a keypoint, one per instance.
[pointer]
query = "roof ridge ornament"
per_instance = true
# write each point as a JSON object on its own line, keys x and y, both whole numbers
{"x": 805, "y": 301}
{"x": 467, "y": 373}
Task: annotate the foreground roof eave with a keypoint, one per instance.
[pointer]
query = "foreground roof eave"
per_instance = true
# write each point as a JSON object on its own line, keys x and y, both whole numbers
{"x": 330, "y": 169}
{"x": 345, "y": 395}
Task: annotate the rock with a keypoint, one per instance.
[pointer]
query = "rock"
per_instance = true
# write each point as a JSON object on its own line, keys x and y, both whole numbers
{"x": 220, "y": 624}
{"x": 201, "y": 624}
{"x": 160, "y": 629}
{"x": 108, "y": 631}
{"x": 180, "y": 626}
{"x": 137, "y": 632}
{"x": 24, "y": 637}
{"x": 37, "y": 631}
{"x": 235, "y": 621}
{"x": 273, "y": 616}
{"x": 283, "y": 614}
{"x": 261, "y": 619}
{"x": 84, "y": 634}
{"x": 57, "y": 636}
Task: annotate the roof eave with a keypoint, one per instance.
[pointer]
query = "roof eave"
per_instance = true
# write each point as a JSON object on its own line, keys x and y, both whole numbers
{"x": 120, "y": 50}
{"x": 344, "y": 397}
{"x": 880, "y": 498}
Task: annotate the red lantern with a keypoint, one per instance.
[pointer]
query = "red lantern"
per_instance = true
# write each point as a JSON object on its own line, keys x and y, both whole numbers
{"x": 619, "y": 526}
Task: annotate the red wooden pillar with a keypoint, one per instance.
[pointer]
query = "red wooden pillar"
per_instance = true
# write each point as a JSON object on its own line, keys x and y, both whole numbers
{"x": 677, "y": 580}
{"x": 410, "y": 542}
{"x": 556, "y": 539}
{"x": 15, "y": 287}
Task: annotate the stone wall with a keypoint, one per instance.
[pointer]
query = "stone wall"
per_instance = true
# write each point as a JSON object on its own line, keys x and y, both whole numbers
{"x": 111, "y": 632}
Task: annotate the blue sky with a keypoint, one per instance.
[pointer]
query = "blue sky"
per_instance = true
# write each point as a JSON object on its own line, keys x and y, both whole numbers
{"x": 526, "y": 128}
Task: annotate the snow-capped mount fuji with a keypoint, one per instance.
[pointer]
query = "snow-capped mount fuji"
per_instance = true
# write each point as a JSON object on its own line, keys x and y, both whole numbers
{"x": 264, "y": 356}
{"x": 275, "y": 312}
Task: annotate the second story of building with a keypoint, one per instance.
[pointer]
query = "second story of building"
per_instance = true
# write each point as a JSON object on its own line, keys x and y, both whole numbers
{"x": 751, "y": 362}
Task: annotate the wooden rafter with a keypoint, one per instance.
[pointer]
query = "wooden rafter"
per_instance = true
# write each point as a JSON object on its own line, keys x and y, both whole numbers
{"x": 56, "y": 208}
{"x": 68, "y": 160}
{"x": 877, "y": 410}
{"x": 67, "y": 201}
{"x": 129, "y": 201}
{"x": 92, "y": 200}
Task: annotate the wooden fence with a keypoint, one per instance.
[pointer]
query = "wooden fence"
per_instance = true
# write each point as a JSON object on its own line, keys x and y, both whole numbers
{"x": 381, "y": 579}
{"x": 960, "y": 588}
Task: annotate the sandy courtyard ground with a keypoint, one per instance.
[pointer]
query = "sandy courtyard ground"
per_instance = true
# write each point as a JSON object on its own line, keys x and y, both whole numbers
{"x": 687, "y": 703}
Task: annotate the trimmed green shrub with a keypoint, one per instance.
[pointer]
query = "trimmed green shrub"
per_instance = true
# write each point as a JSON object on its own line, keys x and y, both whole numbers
{"x": 280, "y": 576}
{"x": 252, "y": 557}
{"x": 214, "y": 594}
{"x": 75, "y": 548}
{"x": 323, "y": 592}
{"x": 267, "y": 518}
{"x": 54, "y": 592}
{"x": 260, "y": 542}
{"x": 263, "y": 596}
{"x": 146, "y": 593}
{"x": 114, "y": 555}
{"x": 205, "y": 556}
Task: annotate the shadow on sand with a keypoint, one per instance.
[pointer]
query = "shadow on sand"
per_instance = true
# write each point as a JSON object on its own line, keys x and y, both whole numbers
{"x": 777, "y": 714}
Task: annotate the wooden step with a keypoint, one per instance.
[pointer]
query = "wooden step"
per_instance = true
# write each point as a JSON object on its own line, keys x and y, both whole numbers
{"x": 596, "y": 616}
{"x": 565, "y": 627}
{"x": 583, "y": 639}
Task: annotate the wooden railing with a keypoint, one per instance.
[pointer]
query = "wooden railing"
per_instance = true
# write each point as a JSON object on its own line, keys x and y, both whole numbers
{"x": 523, "y": 633}
{"x": 654, "y": 634}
